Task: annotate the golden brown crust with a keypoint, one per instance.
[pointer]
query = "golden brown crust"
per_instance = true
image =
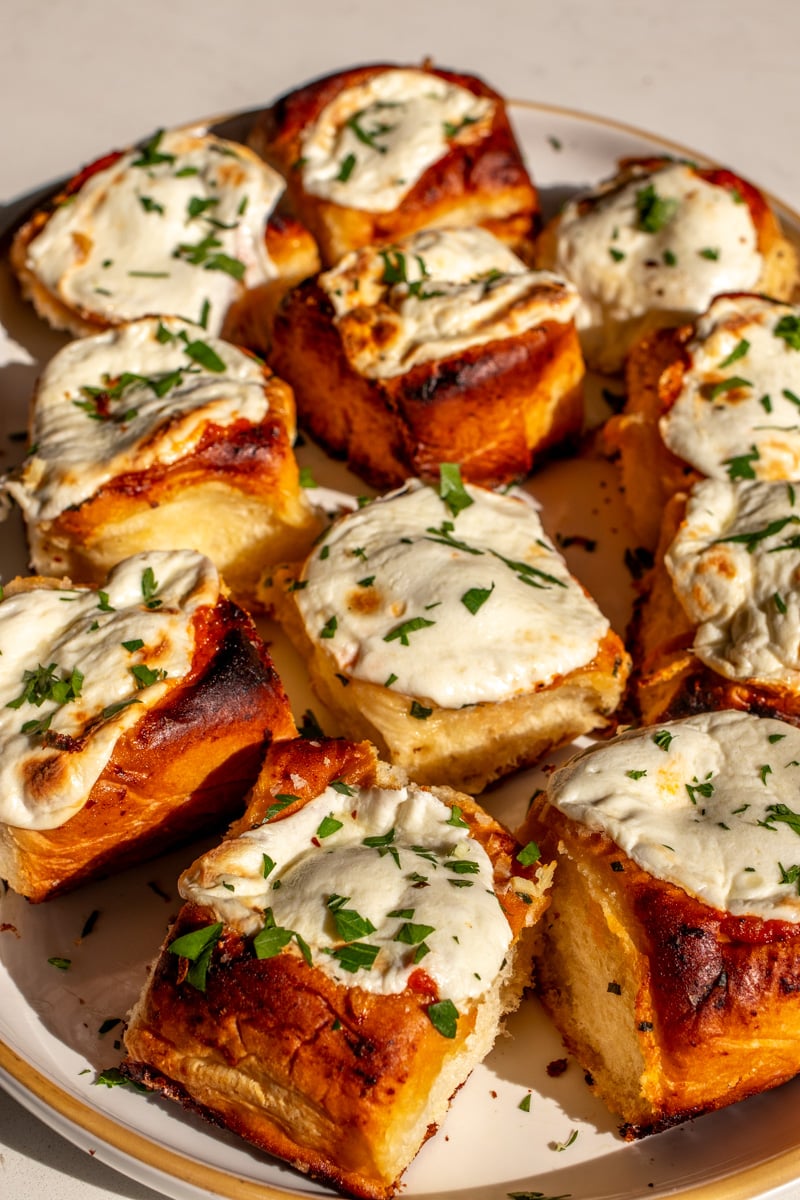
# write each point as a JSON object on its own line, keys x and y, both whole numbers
{"x": 235, "y": 496}
{"x": 342, "y": 1083}
{"x": 674, "y": 1008}
{"x": 468, "y": 747}
{"x": 483, "y": 183}
{"x": 294, "y": 253}
{"x": 184, "y": 768}
{"x": 495, "y": 409}
{"x": 650, "y": 472}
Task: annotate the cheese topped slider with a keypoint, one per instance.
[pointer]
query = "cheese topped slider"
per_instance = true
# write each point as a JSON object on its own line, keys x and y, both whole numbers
{"x": 448, "y": 627}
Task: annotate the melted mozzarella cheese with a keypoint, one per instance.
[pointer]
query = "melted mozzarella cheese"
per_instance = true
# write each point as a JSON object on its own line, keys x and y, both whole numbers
{"x": 47, "y": 635}
{"x": 457, "y": 610}
{"x": 740, "y": 394}
{"x": 702, "y": 243}
{"x": 707, "y": 803}
{"x": 435, "y": 294}
{"x": 82, "y": 438}
{"x": 322, "y": 864}
{"x": 734, "y": 564}
{"x": 373, "y": 142}
{"x": 177, "y": 229}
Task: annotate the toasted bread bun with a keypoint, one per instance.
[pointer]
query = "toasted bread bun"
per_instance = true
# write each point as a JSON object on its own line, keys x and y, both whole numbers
{"x": 670, "y": 954}
{"x": 717, "y": 625}
{"x": 716, "y": 398}
{"x": 443, "y": 347}
{"x": 184, "y": 227}
{"x": 453, "y": 637}
{"x": 373, "y": 153}
{"x": 333, "y": 1031}
{"x": 147, "y": 726}
{"x": 653, "y": 245}
{"x": 154, "y": 436}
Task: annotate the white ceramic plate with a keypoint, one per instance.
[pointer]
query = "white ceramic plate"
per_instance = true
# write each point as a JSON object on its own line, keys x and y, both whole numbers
{"x": 52, "y": 1020}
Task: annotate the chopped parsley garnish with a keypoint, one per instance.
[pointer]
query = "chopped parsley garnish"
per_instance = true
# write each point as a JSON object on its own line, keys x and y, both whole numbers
{"x": 413, "y": 935}
{"x": 344, "y": 789}
{"x": 456, "y": 818}
{"x": 451, "y": 130}
{"x": 151, "y": 156}
{"x": 350, "y": 925}
{"x": 753, "y": 537}
{"x": 525, "y": 1103}
{"x": 452, "y": 490}
{"x": 44, "y": 684}
{"x": 207, "y": 254}
{"x": 281, "y": 801}
{"x": 270, "y": 940}
{"x": 355, "y": 956}
{"x": 653, "y": 212}
{"x": 663, "y": 739}
{"x": 150, "y": 205}
{"x": 369, "y": 137}
{"x": 617, "y": 255}
{"x": 309, "y": 727}
{"x": 200, "y": 204}
{"x": 379, "y": 840}
{"x": 146, "y": 676}
{"x": 790, "y": 874}
{"x": 443, "y": 1015}
{"x": 419, "y": 711}
{"x": 462, "y": 866}
{"x": 528, "y": 855}
{"x": 202, "y": 353}
{"x": 634, "y": 774}
{"x": 670, "y": 259}
{"x": 784, "y": 814}
{"x": 63, "y": 964}
{"x": 346, "y": 168}
{"x": 788, "y": 328}
{"x": 709, "y": 252}
{"x": 328, "y": 825}
{"x": 329, "y": 628}
{"x": 150, "y": 588}
{"x": 474, "y": 598}
{"x": 741, "y": 465}
{"x": 401, "y": 631}
{"x": 697, "y": 788}
{"x": 727, "y": 385}
{"x": 267, "y": 865}
{"x": 739, "y": 351}
{"x": 197, "y": 946}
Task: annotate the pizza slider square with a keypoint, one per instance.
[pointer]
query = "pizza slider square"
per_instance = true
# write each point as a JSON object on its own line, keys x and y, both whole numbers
{"x": 133, "y": 716}
{"x": 374, "y": 153}
{"x": 342, "y": 961}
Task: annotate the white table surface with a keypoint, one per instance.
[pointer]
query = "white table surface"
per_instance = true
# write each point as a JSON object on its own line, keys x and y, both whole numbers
{"x": 80, "y": 78}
